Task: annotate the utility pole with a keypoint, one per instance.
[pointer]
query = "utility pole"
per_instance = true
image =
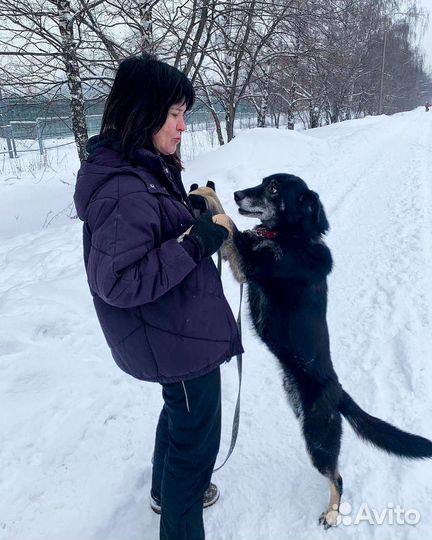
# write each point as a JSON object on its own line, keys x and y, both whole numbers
{"x": 380, "y": 105}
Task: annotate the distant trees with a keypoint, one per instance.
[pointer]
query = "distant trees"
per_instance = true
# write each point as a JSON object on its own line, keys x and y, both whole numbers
{"x": 290, "y": 60}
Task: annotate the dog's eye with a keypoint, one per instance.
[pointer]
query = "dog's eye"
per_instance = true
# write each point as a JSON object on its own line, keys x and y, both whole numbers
{"x": 272, "y": 188}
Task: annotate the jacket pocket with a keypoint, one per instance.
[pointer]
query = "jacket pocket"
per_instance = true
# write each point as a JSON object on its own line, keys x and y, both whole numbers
{"x": 116, "y": 323}
{"x": 181, "y": 357}
{"x": 135, "y": 356}
{"x": 191, "y": 314}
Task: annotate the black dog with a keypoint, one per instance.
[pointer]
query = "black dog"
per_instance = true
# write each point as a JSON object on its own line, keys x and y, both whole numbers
{"x": 285, "y": 263}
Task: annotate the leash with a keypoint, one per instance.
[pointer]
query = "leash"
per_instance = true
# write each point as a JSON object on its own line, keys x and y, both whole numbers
{"x": 236, "y": 419}
{"x": 219, "y": 263}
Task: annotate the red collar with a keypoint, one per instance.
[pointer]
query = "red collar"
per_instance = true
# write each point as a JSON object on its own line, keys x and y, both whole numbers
{"x": 265, "y": 233}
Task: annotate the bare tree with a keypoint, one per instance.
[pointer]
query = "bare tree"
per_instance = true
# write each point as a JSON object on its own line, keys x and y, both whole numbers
{"x": 242, "y": 30}
{"x": 69, "y": 57}
{"x": 305, "y": 59}
{"x": 44, "y": 54}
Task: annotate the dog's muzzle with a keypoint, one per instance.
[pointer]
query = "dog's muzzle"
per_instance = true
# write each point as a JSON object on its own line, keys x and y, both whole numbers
{"x": 242, "y": 200}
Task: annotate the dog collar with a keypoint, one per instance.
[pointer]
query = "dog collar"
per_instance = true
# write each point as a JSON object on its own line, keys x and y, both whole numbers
{"x": 266, "y": 233}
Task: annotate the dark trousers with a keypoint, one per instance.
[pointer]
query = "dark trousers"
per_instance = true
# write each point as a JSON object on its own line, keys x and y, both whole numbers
{"x": 187, "y": 443}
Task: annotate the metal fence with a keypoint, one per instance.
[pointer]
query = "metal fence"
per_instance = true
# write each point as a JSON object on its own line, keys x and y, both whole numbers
{"x": 43, "y": 131}
{"x": 46, "y": 133}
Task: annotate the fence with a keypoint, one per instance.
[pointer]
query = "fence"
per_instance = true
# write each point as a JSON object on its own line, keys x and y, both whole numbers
{"x": 46, "y": 133}
{"x": 42, "y": 130}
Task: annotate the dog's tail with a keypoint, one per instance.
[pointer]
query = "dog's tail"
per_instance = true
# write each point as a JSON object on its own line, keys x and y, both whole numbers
{"x": 383, "y": 435}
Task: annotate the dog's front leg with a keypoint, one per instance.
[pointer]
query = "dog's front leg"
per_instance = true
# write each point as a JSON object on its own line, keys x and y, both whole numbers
{"x": 241, "y": 252}
{"x": 229, "y": 250}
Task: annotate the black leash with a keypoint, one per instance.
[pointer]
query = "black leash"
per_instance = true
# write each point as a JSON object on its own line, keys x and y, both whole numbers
{"x": 219, "y": 263}
{"x": 236, "y": 420}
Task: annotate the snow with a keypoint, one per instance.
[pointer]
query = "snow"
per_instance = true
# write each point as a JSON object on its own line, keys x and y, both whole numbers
{"x": 76, "y": 434}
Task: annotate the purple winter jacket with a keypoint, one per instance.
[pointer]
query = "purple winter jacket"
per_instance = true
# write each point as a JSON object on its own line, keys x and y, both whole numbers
{"x": 163, "y": 312}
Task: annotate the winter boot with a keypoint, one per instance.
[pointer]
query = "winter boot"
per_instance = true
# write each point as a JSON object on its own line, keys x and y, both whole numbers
{"x": 211, "y": 495}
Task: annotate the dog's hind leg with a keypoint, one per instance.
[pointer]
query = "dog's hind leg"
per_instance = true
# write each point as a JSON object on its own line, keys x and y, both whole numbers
{"x": 322, "y": 428}
{"x": 329, "y": 518}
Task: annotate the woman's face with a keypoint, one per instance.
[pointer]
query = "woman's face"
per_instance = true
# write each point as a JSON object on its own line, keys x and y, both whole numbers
{"x": 167, "y": 138}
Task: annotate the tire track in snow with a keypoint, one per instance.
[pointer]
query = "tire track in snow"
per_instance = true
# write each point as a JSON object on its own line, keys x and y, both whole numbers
{"x": 381, "y": 243}
{"x": 380, "y": 310}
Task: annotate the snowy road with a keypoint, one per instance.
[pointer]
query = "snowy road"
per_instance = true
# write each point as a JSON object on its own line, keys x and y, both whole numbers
{"x": 76, "y": 434}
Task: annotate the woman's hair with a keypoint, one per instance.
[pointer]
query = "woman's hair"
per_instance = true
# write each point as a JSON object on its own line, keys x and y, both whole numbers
{"x": 137, "y": 106}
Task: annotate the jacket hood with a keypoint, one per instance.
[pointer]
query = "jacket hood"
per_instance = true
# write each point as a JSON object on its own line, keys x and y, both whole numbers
{"x": 106, "y": 161}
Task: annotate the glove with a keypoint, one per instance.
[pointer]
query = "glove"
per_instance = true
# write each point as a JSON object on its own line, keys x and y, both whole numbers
{"x": 208, "y": 235}
{"x": 210, "y": 184}
{"x": 200, "y": 203}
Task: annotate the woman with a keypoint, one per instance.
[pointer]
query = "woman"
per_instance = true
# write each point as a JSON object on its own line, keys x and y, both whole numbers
{"x": 156, "y": 290}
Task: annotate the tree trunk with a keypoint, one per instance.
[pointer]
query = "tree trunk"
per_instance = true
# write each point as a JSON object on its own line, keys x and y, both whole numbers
{"x": 229, "y": 118}
{"x": 146, "y": 27}
{"x": 208, "y": 103}
{"x": 290, "y": 116}
{"x": 262, "y": 111}
{"x": 218, "y": 127}
{"x": 79, "y": 125}
{"x": 292, "y": 97}
{"x": 313, "y": 115}
{"x": 230, "y": 97}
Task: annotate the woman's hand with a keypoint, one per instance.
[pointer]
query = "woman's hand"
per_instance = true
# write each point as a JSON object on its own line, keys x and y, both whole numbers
{"x": 208, "y": 235}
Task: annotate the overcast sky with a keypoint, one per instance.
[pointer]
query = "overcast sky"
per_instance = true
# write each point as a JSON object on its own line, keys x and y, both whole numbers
{"x": 427, "y": 41}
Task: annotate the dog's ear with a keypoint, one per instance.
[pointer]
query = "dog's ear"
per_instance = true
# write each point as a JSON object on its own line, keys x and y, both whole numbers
{"x": 311, "y": 207}
{"x": 310, "y": 204}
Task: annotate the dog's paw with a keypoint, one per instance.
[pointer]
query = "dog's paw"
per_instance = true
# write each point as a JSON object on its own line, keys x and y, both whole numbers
{"x": 329, "y": 518}
{"x": 269, "y": 247}
{"x": 250, "y": 237}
